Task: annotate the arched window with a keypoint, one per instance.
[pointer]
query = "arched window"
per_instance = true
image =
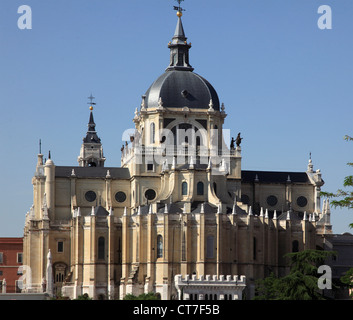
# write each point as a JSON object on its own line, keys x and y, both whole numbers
{"x": 153, "y": 133}
{"x": 198, "y": 141}
{"x": 184, "y": 188}
{"x": 200, "y": 189}
{"x": 159, "y": 246}
{"x": 295, "y": 246}
{"x": 59, "y": 272}
{"x": 101, "y": 248}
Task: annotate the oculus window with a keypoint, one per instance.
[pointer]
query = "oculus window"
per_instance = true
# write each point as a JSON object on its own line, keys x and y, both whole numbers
{"x": 90, "y": 196}
{"x": 302, "y": 201}
{"x": 120, "y": 196}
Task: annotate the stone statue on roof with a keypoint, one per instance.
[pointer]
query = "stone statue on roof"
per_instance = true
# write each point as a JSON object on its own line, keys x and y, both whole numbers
{"x": 238, "y": 140}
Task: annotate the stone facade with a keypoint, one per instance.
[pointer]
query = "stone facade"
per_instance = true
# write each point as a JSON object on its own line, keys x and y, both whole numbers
{"x": 180, "y": 204}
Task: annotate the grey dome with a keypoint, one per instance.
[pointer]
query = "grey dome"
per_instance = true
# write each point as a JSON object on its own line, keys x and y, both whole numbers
{"x": 179, "y": 89}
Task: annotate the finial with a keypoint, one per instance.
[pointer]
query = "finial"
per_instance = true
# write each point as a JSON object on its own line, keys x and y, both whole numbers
{"x": 275, "y": 215}
{"x": 250, "y": 211}
{"x": 179, "y": 9}
{"x": 234, "y": 212}
{"x": 91, "y": 103}
{"x": 211, "y": 105}
{"x": 288, "y": 216}
{"x": 328, "y": 209}
{"x": 202, "y": 208}
{"x": 223, "y": 107}
{"x": 191, "y": 165}
{"x": 40, "y": 146}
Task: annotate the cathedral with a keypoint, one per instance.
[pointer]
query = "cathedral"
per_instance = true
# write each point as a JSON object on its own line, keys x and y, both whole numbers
{"x": 178, "y": 216}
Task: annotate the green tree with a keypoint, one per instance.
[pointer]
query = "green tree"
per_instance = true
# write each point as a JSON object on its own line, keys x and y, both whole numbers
{"x": 348, "y": 280}
{"x": 344, "y": 197}
{"x": 302, "y": 281}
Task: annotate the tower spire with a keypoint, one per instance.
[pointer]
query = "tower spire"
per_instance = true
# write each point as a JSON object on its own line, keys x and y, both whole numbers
{"x": 91, "y": 136}
{"x": 179, "y": 48}
{"x": 91, "y": 154}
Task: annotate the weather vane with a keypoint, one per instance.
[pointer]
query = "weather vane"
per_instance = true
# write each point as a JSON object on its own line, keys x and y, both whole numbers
{"x": 179, "y": 8}
{"x": 91, "y": 103}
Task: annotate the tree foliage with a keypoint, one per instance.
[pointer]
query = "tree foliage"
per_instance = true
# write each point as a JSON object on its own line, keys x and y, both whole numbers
{"x": 344, "y": 197}
{"x": 347, "y": 279}
{"x": 85, "y": 296}
{"x": 302, "y": 281}
{"x": 144, "y": 296}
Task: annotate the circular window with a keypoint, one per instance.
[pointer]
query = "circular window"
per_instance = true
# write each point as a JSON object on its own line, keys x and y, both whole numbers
{"x": 150, "y": 194}
{"x": 90, "y": 196}
{"x": 245, "y": 199}
{"x": 120, "y": 196}
{"x": 302, "y": 201}
{"x": 272, "y": 201}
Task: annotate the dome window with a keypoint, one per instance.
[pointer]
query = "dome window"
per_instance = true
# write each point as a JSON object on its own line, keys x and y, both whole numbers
{"x": 184, "y": 93}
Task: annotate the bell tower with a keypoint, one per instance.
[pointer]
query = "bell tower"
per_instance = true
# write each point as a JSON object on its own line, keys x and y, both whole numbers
{"x": 91, "y": 154}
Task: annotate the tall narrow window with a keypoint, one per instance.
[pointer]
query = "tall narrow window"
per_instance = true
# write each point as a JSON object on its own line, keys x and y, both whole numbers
{"x": 101, "y": 248}
{"x": 153, "y": 132}
{"x": 183, "y": 248}
{"x": 209, "y": 247}
{"x": 184, "y": 189}
{"x": 198, "y": 141}
{"x": 19, "y": 257}
{"x": 200, "y": 189}
{"x": 254, "y": 249}
{"x": 60, "y": 246}
{"x": 159, "y": 246}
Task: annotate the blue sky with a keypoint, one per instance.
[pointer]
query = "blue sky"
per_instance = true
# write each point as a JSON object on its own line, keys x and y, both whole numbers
{"x": 286, "y": 84}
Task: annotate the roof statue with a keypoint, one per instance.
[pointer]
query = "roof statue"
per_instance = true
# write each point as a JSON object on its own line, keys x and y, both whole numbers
{"x": 238, "y": 140}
